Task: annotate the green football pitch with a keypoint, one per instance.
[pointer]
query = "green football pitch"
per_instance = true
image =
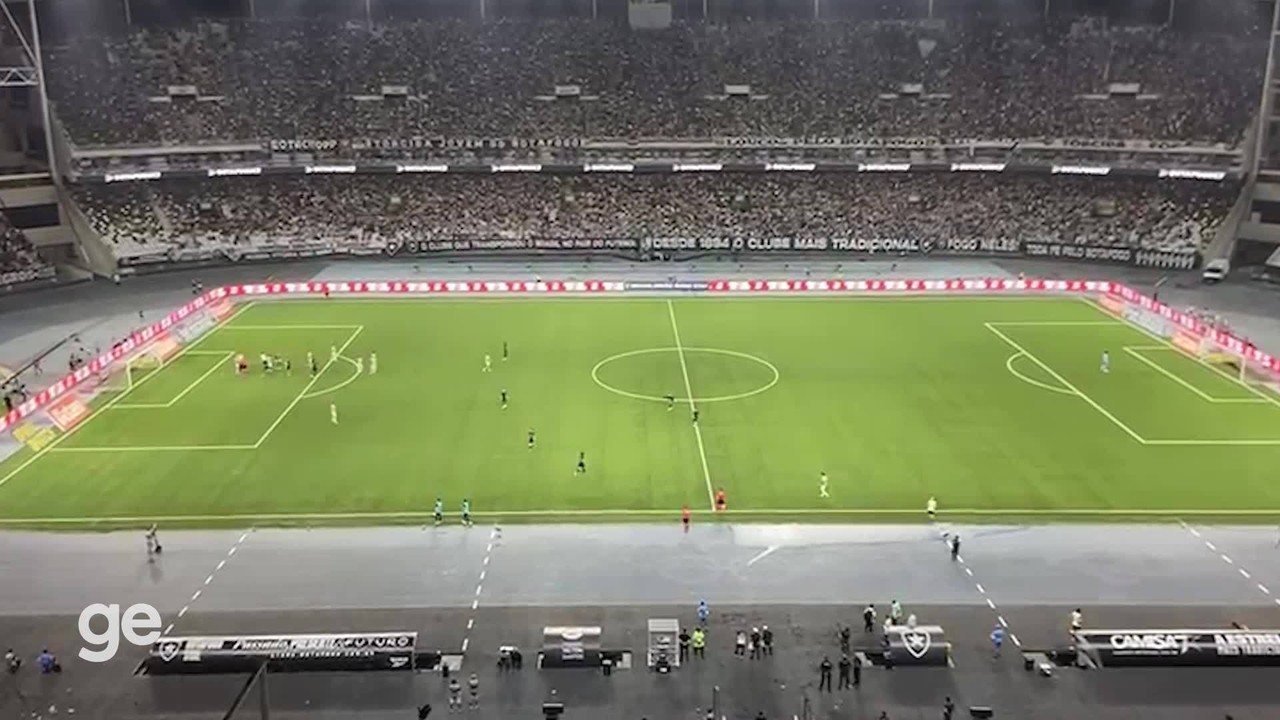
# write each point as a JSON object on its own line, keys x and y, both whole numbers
{"x": 996, "y": 406}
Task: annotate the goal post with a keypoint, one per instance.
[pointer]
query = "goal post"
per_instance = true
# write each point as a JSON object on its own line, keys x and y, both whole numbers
{"x": 1231, "y": 363}
{"x": 123, "y": 376}
{"x": 1227, "y": 363}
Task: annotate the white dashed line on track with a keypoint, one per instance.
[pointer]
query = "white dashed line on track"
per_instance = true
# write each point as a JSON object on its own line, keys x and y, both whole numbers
{"x": 208, "y": 581}
{"x": 484, "y": 572}
{"x": 1227, "y": 559}
{"x": 983, "y": 592}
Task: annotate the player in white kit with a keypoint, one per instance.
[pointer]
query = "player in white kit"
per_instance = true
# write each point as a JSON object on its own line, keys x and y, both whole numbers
{"x": 1106, "y": 362}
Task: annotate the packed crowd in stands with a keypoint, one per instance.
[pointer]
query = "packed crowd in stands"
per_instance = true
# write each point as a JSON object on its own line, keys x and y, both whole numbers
{"x": 370, "y": 211}
{"x": 295, "y": 80}
{"x": 19, "y": 262}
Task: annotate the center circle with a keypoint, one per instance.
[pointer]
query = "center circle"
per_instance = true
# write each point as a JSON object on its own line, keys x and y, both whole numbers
{"x": 773, "y": 372}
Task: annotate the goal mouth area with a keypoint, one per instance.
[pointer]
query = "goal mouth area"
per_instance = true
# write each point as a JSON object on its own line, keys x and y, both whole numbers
{"x": 122, "y": 376}
{"x": 1224, "y": 360}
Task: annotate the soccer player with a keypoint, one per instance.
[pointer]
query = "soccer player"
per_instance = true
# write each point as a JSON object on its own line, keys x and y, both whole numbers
{"x": 822, "y": 486}
{"x": 722, "y": 501}
{"x": 532, "y": 439}
{"x": 333, "y": 413}
{"x": 333, "y": 353}
{"x": 582, "y": 464}
{"x": 466, "y": 512}
{"x": 311, "y": 360}
{"x": 266, "y": 362}
{"x": 695, "y": 416}
{"x": 359, "y": 365}
{"x": 438, "y": 512}
{"x": 671, "y": 402}
{"x": 373, "y": 363}
{"x": 288, "y": 366}
{"x": 931, "y": 508}
{"x": 1106, "y": 362}
{"x": 242, "y": 364}
{"x": 503, "y": 397}
{"x": 488, "y": 364}
{"x": 685, "y": 517}
{"x": 505, "y": 354}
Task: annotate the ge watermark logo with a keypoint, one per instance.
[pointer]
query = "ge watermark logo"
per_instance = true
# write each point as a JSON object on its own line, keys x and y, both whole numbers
{"x": 139, "y": 624}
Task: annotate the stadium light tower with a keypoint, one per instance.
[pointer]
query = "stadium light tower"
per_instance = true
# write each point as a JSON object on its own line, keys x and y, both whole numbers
{"x": 31, "y": 75}
{"x": 1266, "y": 105}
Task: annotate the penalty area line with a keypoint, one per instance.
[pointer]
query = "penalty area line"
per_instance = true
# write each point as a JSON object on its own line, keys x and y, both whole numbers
{"x": 311, "y": 383}
{"x": 1167, "y": 373}
{"x": 293, "y": 327}
{"x": 1266, "y": 397}
{"x": 224, "y": 356}
{"x": 1066, "y": 383}
{"x": 1054, "y": 323}
{"x": 1170, "y": 514}
{"x": 150, "y": 448}
{"x": 106, "y": 406}
{"x": 1135, "y": 352}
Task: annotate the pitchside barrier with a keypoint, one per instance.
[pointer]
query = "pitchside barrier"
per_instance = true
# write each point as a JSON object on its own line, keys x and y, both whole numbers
{"x": 225, "y": 654}
{"x": 1181, "y": 648}
{"x": 59, "y": 408}
{"x": 64, "y": 404}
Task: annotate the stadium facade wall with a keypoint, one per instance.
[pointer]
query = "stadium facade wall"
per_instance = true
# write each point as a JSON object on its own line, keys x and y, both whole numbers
{"x": 280, "y": 249}
{"x": 201, "y": 314}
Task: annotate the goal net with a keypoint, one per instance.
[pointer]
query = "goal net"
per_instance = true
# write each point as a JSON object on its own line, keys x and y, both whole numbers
{"x": 1229, "y": 362}
{"x": 123, "y": 376}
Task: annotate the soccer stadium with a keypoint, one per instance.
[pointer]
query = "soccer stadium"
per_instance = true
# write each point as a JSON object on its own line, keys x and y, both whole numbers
{"x": 720, "y": 360}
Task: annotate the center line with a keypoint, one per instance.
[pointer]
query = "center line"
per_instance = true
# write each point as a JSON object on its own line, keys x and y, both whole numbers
{"x": 688, "y": 390}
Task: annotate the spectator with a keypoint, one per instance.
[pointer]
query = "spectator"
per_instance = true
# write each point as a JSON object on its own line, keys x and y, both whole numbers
{"x": 199, "y": 220}
{"x": 48, "y": 663}
{"x": 19, "y": 262}
{"x": 972, "y": 76}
